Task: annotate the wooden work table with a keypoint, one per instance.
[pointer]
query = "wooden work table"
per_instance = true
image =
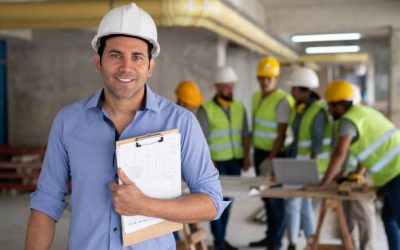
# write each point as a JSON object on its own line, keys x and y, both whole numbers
{"x": 239, "y": 187}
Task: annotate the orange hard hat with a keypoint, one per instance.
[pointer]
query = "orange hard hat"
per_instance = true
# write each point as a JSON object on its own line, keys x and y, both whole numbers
{"x": 189, "y": 93}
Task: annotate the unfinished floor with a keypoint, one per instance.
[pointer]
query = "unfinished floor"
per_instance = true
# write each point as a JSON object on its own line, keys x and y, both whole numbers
{"x": 14, "y": 212}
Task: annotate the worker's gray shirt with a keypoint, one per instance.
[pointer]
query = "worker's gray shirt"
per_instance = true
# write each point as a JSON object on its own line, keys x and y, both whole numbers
{"x": 283, "y": 111}
{"x": 203, "y": 120}
{"x": 347, "y": 128}
{"x": 318, "y": 132}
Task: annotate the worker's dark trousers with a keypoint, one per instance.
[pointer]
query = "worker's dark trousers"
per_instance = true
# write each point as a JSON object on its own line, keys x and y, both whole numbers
{"x": 391, "y": 212}
{"x": 218, "y": 227}
{"x": 274, "y": 208}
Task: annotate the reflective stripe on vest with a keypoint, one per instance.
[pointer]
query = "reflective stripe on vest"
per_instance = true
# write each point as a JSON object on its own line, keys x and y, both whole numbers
{"x": 376, "y": 144}
{"x": 321, "y": 156}
{"x": 224, "y": 132}
{"x": 223, "y": 146}
{"x": 325, "y": 142}
{"x": 265, "y": 123}
{"x": 385, "y": 159}
{"x": 225, "y": 135}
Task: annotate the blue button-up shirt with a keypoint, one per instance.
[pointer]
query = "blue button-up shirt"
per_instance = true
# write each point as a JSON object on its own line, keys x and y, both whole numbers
{"x": 81, "y": 148}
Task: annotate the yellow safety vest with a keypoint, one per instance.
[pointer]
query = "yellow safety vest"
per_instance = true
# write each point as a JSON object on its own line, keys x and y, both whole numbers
{"x": 305, "y": 136}
{"x": 265, "y": 127}
{"x": 225, "y": 135}
{"x": 378, "y": 145}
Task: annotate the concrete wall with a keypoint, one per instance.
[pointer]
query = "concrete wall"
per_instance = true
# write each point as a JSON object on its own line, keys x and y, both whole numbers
{"x": 55, "y": 68}
{"x": 44, "y": 74}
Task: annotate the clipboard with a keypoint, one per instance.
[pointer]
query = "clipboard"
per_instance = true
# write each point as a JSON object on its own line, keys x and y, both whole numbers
{"x": 146, "y": 142}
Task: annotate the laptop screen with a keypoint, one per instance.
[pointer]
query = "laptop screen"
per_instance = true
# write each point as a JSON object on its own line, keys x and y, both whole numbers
{"x": 295, "y": 171}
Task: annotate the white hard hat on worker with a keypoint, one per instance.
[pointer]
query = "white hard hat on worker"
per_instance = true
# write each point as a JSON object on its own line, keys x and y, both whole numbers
{"x": 225, "y": 75}
{"x": 128, "y": 20}
{"x": 303, "y": 77}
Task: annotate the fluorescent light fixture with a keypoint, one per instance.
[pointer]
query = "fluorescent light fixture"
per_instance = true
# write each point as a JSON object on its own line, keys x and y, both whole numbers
{"x": 332, "y": 49}
{"x": 326, "y": 37}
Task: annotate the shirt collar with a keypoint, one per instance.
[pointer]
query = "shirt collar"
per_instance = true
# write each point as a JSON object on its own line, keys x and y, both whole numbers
{"x": 149, "y": 102}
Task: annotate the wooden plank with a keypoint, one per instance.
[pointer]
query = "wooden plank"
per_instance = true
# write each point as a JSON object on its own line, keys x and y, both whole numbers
{"x": 329, "y": 193}
{"x": 18, "y": 186}
{"x": 22, "y": 165}
{"x": 330, "y": 247}
{"x": 7, "y": 150}
{"x": 13, "y": 176}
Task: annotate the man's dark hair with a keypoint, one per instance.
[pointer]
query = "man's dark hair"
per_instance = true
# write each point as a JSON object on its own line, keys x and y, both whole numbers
{"x": 345, "y": 104}
{"x": 102, "y": 44}
{"x": 313, "y": 94}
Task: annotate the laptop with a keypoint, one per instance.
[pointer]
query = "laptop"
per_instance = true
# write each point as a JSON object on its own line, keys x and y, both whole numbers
{"x": 295, "y": 172}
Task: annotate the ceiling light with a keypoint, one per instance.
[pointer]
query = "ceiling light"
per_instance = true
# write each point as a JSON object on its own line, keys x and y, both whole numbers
{"x": 326, "y": 37}
{"x": 332, "y": 49}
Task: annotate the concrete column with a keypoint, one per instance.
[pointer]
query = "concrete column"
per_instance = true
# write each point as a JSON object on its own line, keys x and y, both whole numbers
{"x": 394, "y": 90}
{"x": 370, "y": 98}
{"x": 221, "y": 51}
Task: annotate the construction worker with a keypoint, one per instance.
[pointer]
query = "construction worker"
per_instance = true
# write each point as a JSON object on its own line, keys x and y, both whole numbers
{"x": 374, "y": 141}
{"x": 81, "y": 148}
{"x": 360, "y": 214}
{"x": 189, "y": 95}
{"x": 272, "y": 109}
{"x": 311, "y": 128}
{"x": 224, "y": 124}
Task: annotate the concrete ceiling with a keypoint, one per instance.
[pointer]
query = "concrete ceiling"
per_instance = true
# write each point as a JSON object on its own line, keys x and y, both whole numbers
{"x": 283, "y": 18}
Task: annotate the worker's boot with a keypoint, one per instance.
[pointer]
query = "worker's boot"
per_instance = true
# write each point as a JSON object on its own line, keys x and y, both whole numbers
{"x": 260, "y": 243}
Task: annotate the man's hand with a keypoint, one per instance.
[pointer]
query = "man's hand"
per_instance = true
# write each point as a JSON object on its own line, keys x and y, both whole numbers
{"x": 128, "y": 199}
{"x": 246, "y": 163}
{"x": 266, "y": 167}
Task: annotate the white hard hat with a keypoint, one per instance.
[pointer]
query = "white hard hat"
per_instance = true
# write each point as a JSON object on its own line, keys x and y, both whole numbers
{"x": 225, "y": 75}
{"x": 303, "y": 77}
{"x": 128, "y": 20}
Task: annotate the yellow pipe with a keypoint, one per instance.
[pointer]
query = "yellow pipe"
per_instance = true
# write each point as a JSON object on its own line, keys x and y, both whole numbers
{"x": 335, "y": 58}
{"x": 209, "y": 14}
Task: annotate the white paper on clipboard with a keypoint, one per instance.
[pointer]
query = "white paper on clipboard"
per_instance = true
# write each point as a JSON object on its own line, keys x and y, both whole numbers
{"x": 153, "y": 162}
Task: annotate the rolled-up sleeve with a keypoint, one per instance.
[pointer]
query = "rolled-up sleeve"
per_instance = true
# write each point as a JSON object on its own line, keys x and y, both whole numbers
{"x": 198, "y": 170}
{"x": 49, "y": 197}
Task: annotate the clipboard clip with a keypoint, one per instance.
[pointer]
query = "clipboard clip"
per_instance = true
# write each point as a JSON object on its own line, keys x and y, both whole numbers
{"x": 148, "y": 136}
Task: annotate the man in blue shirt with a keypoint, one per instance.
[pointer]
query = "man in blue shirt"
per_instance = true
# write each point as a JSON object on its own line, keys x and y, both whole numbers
{"x": 81, "y": 148}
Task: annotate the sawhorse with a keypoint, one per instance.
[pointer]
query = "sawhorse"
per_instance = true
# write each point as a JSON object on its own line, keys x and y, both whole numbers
{"x": 336, "y": 206}
{"x": 194, "y": 238}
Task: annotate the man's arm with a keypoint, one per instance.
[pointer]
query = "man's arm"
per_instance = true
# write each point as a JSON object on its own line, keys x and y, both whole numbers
{"x": 279, "y": 141}
{"x": 246, "y": 143}
{"x": 129, "y": 200}
{"x": 246, "y": 152}
{"x": 40, "y": 232}
{"x": 283, "y": 111}
{"x": 337, "y": 159}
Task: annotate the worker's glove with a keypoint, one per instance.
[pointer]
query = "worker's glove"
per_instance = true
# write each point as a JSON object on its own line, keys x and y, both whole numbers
{"x": 356, "y": 177}
{"x": 266, "y": 168}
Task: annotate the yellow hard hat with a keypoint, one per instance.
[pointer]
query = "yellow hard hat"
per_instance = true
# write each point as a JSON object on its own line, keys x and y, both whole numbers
{"x": 268, "y": 67}
{"x": 339, "y": 90}
{"x": 189, "y": 93}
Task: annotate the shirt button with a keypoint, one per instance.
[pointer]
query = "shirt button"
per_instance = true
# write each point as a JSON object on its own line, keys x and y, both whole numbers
{"x": 115, "y": 229}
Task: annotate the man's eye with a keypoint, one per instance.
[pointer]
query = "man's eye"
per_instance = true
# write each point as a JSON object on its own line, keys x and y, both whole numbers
{"x": 137, "y": 57}
{"x": 115, "y": 55}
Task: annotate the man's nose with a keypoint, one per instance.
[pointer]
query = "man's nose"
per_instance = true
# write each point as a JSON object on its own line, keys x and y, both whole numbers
{"x": 126, "y": 65}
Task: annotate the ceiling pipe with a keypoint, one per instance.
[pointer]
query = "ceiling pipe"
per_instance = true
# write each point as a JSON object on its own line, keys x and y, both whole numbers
{"x": 335, "y": 58}
{"x": 209, "y": 14}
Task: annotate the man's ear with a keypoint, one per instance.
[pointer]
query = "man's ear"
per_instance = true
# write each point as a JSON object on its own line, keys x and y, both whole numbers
{"x": 97, "y": 61}
{"x": 152, "y": 64}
